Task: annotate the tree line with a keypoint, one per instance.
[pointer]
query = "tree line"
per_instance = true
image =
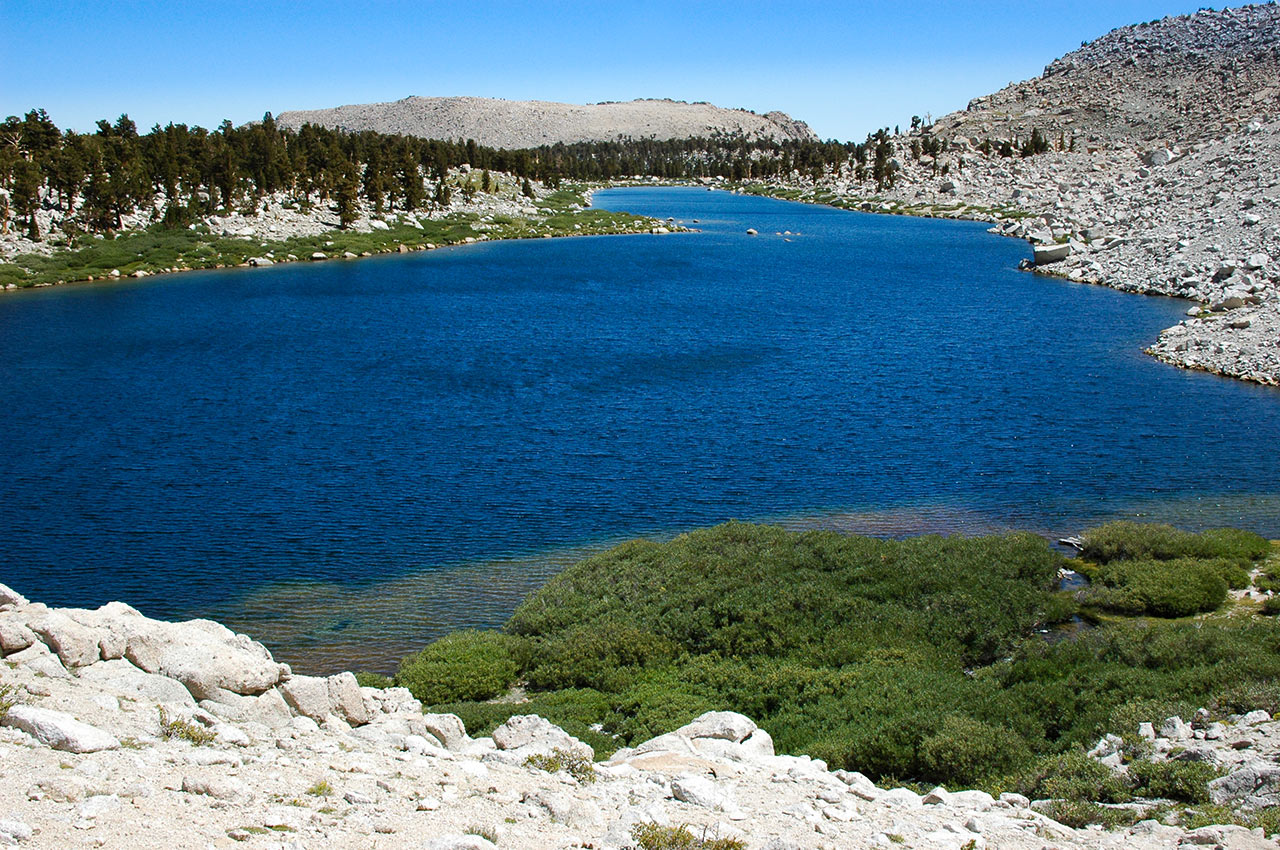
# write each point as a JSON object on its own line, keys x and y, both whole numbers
{"x": 188, "y": 172}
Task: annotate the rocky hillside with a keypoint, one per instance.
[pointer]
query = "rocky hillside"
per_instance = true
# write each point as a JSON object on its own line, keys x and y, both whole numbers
{"x": 514, "y": 124}
{"x": 120, "y": 731}
{"x": 1177, "y": 80}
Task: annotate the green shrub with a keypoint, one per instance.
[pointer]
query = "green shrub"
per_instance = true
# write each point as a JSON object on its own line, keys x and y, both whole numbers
{"x": 1185, "y": 781}
{"x": 1078, "y": 814}
{"x": 1267, "y": 581}
{"x": 1129, "y": 541}
{"x": 970, "y": 752}
{"x": 1244, "y": 697}
{"x": 1233, "y": 543}
{"x": 1271, "y": 606}
{"x": 1267, "y": 819}
{"x": 1075, "y": 777}
{"x": 467, "y": 665}
{"x": 918, "y": 658}
{"x": 593, "y": 658}
{"x": 374, "y": 680}
{"x": 1173, "y": 588}
{"x": 652, "y": 708}
{"x": 1126, "y": 541}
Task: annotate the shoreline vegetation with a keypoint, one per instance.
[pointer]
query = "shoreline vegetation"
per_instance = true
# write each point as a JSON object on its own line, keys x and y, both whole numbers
{"x": 160, "y": 250}
{"x": 920, "y": 662}
{"x": 119, "y": 203}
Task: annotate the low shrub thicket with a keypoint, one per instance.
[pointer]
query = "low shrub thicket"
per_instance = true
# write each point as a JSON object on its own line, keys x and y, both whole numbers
{"x": 469, "y": 665}
{"x": 1184, "y": 781}
{"x": 918, "y": 660}
{"x": 1174, "y": 588}
{"x": 1080, "y": 813}
{"x": 1075, "y": 777}
{"x": 1131, "y": 541}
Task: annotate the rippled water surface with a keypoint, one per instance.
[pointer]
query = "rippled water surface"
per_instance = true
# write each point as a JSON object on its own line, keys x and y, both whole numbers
{"x": 348, "y": 458}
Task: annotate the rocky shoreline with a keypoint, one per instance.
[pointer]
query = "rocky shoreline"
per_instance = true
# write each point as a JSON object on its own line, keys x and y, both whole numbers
{"x": 262, "y": 235}
{"x": 1147, "y": 161}
{"x": 1128, "y": 226}
{"x": 122, "y": 731}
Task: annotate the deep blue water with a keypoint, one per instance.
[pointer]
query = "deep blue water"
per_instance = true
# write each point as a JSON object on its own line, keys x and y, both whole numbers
{"x": 406, "y": 426}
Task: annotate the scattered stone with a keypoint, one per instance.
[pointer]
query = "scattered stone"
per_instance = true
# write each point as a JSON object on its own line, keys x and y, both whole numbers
{"x": 726, "y": 725}
{"x": 459, "y": 842}
{"x": 10, "y": 598}
{"x": 529, "y": 732}
{"x": 448, "y": 729}
{"x": 1253, "y": 718}
{"x": 1046, "y": 254}
{"x": 700, "y": 791}
{"x": 1175, "y": 729}
{"x": 15, "y": 832}
{"x": 218, "y": 787}
{"x": 58, "y": 730}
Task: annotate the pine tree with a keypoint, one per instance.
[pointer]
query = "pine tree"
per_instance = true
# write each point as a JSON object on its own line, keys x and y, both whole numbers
{"x": 374, "y": 183}
{"x": 486, "y": 182}
{"x": 444, "y": 195}
{"x": 411, "y": 192}
{"x": 1036, "y": 144}
{"x": 346, "y": 196}
{"x": 26, "y": 194}
{"x": 527, "y": 188}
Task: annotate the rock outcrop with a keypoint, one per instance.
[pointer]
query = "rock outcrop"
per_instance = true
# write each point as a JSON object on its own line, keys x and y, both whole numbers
{"x": 1174, "y": 81}
{"x": 516, "y": 124}
{"x": 218, "y": 745}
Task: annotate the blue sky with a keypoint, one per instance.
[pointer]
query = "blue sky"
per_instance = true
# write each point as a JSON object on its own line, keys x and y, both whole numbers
{"x": 846, "y": 68}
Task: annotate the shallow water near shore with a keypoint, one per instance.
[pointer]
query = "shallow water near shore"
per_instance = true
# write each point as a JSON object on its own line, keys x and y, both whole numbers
{"x": 348, "y": 459}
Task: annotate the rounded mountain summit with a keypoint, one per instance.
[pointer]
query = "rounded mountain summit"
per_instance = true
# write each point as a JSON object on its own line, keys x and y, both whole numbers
{"x": 516, "y": 124}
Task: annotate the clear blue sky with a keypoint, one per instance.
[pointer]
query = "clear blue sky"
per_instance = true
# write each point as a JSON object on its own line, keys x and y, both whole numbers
{"x": 846, "y": 68}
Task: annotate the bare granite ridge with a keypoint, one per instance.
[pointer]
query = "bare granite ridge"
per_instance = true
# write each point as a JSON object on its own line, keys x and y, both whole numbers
{"x": 119, "y": 731}
{"x": 514, "y": 124}
{"x": 1177, "y": 80}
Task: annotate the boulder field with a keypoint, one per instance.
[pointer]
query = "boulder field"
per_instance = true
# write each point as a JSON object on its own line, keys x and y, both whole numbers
{"x": 122, "y": 731}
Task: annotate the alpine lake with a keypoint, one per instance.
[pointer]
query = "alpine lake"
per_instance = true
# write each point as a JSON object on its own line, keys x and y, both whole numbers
{"x": 346, "y": 460}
